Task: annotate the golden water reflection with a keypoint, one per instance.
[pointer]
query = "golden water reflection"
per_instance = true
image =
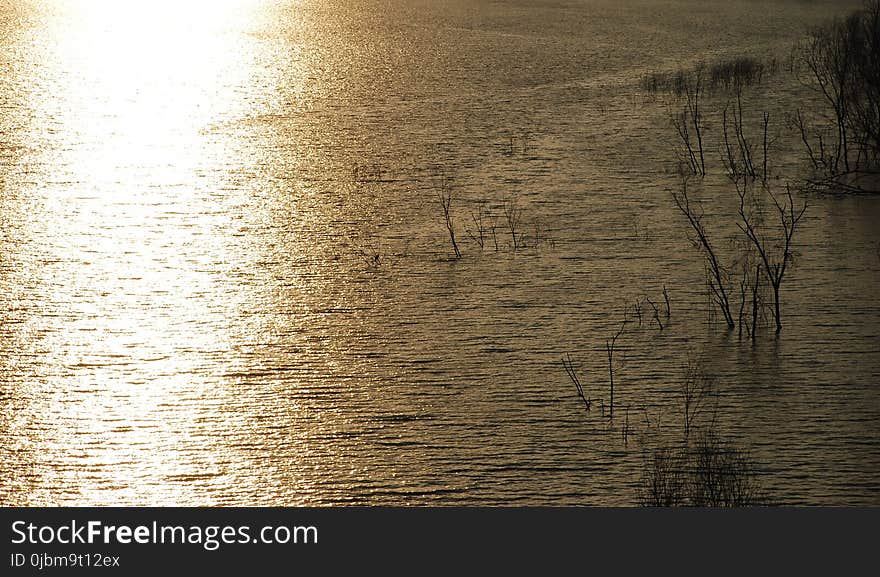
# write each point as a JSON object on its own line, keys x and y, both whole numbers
{"x": 193, "y": 196}
{"x": 134, "y": 219}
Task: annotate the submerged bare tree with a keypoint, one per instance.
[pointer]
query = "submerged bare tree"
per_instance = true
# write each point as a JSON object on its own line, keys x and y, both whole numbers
{"x": 690, "y": 118}
{"x": 444, "y": 196}
{"x": 610, "y": 344}
{"x": 763, "y": 254}
{"x": 695, "y": 390}
{"x": 656, "y": 312}
{"x": 718, "y": 275}
{"x": 752, "y": 287}
{"x": 710, "y": 472}
{"x": 841, "y": 63}
{"x": 513, "y": 215}
{"x": 703, "y": 469}
{"x": 479, "y": 218}
{"x": 571, "y": 371}
{"x": 664, "y": 478}
{"x": 774, "y": 247}
{"x": 738, "y": 154}
{"x": 768, "y": 252}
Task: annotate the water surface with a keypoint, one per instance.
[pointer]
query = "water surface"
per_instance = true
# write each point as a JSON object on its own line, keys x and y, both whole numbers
{"x": 225, "y": 277}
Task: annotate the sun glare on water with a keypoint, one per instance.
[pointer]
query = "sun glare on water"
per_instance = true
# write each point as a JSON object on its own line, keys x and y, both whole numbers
{"x": 131, "y": 211}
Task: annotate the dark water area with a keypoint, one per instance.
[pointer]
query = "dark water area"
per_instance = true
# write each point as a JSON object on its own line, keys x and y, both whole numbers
{"x": 226, "y": 278}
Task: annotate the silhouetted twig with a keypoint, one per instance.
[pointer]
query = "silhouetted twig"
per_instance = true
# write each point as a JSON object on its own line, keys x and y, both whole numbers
{"x": 572, "y": 375}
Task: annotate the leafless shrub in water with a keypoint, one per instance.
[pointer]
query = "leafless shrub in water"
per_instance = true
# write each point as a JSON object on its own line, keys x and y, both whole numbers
{"x": 487, "y": 224}
{"x": 738, "y": 150}
{"x": 571, "y": 370}
{"x": 479, "y": 218}
{"x": 767, "y": 252}
{"x": 688, "y": 120}
{"x": 610, "y": 345}
{"x": 720, "y": 474}
{"x": 513, "y": 215}
{"x": 671, "y": 82}
{"x": 695, "y": 391}
{"x": 773, "y": 247}
{"x": 444, "y": 196}
{"x": 663, "y": 482}
{"x": 656, "y": 312}
{"x": 371, "y": 256}
{"x": 708, "y": 472}
{"x": 718, "y": 275}
{"x": 666, "y": 300}
{"x": 637, "y": 309}
{"x": 725, "y": 74}
{"x": 767, "y": 258}
{"x": 703, "y": 470}
{"x": 542, "y": 236}
{"x": 841, "y": 63}
{"x": 735, "y": 73}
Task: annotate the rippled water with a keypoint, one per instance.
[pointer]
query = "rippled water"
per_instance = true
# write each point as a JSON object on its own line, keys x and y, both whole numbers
{"x": 225, "y": 277}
